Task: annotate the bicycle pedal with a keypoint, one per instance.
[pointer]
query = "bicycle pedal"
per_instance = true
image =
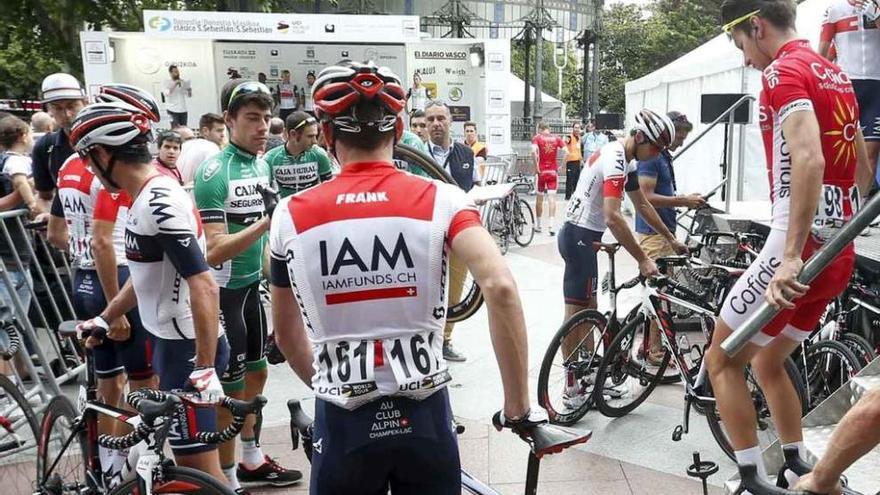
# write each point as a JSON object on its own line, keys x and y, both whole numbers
{"x": 677, "y": 433}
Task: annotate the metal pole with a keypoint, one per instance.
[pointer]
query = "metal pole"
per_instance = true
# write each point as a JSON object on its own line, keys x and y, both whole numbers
{"x": 527, "y": 42}
{"x": 585, "y": 78}
{"x": 539, "y": 71}
{"x": 595, "y": 98}
{"x": 813, "y": 267}
{"x": 728, "y": 158}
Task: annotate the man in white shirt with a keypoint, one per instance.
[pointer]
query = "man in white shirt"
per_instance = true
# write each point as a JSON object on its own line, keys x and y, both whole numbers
{"x": 176, "y": 91}
{"x": 287, "y": 93}
{"x": 212, "y": 134}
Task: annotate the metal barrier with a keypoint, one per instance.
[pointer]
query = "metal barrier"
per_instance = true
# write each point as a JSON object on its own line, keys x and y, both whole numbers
{"x": 50, "y": 360}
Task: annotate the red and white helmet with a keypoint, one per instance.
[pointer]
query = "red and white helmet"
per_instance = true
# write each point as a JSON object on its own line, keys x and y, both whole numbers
{"x": 133, "y": 96}
{"x": 657, "y": 127}
{"x": 110, "y": 124}
{"x": 339, "y": 88}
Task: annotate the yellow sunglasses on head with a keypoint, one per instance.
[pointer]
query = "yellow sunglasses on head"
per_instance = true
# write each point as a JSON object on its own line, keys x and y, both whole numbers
{"x": 728, "y": 28}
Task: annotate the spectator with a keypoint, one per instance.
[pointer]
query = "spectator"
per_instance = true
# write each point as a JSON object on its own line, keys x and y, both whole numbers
{"x": 41, "y": 124}
{"x": 854, "y": 29}
{"x": 593, "y": 139}
{"x": 212, "y": 135}
{"x": 308, "y": 101}
{"x": 287, "y": 95}
{"x": 418, "y": 125}
{"x": 574, "y": 159}
{"x": 417, "y": 94}
{"x": 276, "y": 134}
{"x": 176, "y": 92}
{"x": 478, "y": 147}
{"x": 16, "y": 140}
{"x": 261, "y": 77}
{"x": 185, "y": 132}
{"x": 545, "y": 147}
{"x": 458, "y": 160}
{"x": 64, "y": 98}
{"x": 169, "y": 144}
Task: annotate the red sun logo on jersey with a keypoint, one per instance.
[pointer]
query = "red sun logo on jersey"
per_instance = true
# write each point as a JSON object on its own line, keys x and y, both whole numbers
{"x": 844, "y": 134}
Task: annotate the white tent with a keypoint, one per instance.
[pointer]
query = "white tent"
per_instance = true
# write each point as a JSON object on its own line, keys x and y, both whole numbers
{"x": 716, "y": 67}
{"x": 515, "y": 91}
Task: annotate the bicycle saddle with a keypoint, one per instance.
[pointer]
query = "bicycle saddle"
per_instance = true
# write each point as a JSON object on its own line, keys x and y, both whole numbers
{"x": 545, "y": 438}
{"x": 869, "y": 268}
{"x": 608, "y": 248}
{"x": 68, "y": 328}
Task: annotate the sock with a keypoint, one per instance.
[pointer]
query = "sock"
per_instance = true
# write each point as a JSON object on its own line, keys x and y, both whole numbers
{"x": 119, "y": 460}
{"x": 106, "y": 456}
{"x": 231, "y": 477}
{"x": 753, "y": 456}
{"x": 790, "y": 475}
{"x": 251, "y": 454}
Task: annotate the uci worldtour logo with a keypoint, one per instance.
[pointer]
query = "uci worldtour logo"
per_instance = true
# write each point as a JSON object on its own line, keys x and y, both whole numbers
{"x": 756, "y": 284}
{"x": 160, "y": 23}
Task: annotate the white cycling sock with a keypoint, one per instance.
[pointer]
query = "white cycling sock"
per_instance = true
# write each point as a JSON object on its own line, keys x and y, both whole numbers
{"x": 119, "y": 460}
{"x": 231, "y": 478}
{"x": 753, "y": 456}
{"x": 107, "y": 458}
{"x": 251, "y": 454}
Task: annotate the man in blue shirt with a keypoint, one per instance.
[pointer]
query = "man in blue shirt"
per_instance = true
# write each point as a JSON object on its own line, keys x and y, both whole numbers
{"x": 657, "y": 182}
{"x": 592, "y": 140}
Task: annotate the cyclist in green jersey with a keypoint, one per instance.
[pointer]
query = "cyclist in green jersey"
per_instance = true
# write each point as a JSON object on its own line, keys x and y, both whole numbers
{"x": 411, "y": 139}
{"x": 300, "y": 163}
{"x": 232, "y": 209}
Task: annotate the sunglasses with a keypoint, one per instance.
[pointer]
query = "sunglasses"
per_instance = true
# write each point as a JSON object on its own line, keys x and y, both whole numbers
{"x": 728, "y": 28}
{"x": 305, "y": 122}
{"x": 248, "y": 88}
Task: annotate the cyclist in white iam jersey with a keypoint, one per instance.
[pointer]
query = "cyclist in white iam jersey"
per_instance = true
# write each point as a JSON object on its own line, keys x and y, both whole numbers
{"x": 366, "y": 256}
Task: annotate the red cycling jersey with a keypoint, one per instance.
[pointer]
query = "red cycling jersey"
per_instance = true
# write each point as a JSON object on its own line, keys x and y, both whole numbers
{"x": 801, "y": 80}
{"x": 548, "y": 145}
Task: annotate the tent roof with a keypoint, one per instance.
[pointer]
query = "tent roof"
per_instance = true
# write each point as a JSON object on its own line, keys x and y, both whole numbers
{"x": 719, "y": 54}
{"x": 516, "y": 88}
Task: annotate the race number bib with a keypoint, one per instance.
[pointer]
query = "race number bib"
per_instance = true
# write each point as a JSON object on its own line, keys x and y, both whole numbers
{"x": 346, "y": 372}
{"x": 417, "y": 363}
{"x": 836, "y": 206}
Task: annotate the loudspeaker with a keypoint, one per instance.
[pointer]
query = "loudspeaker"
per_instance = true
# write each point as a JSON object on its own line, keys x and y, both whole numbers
{"x": 609, "y": 121}
{"x": 713, "y": 105}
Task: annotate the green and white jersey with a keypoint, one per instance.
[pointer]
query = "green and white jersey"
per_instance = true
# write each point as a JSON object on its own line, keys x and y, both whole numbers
{"x": 226, "y": 192}
{"x": 293, "y": 174}
{"x": 409, "y": 138}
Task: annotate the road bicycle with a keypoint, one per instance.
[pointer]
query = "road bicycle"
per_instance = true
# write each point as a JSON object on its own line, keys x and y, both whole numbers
{"x": 855, "y": 316}
{"x": 624, "y": 367}
{"x": 543, "y": 439}
{"x": 67, "y": 453}
{"x": 525, "y": 183}
{"x": 510, "y": 217}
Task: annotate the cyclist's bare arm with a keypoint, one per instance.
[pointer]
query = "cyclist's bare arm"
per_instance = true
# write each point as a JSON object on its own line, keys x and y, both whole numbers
{"x": 535, "y": 153}
{"x": 125, "y": 301}
{"x": 619, "y": 228}
{"x": 105, "y": 257}
{"x": 205, "y": 301}
{"x": 476, "y": 248}
{"x": 865, "y": 170}
{"x": 56, "y": 232}
{"x": 825, "y": 49}
{"x": 802, "y": 133}
{"x": 223, "y": 246}
{"x": 290, "y": 333}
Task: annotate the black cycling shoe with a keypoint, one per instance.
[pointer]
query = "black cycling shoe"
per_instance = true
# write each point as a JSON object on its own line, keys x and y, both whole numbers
{"x": 755, "y": 485}
{"x": 794, "y": 464}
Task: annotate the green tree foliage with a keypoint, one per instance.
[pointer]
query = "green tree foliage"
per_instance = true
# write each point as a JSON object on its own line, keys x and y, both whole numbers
{"x": 42, "y": 36}
{"x": 635, "y": 41}
{"x": 571, "y": 77}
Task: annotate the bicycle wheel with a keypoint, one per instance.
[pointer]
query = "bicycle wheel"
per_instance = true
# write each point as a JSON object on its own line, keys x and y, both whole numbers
{"x": 178, "y": 480}
{"x": 766, "y": 431}
{"x": 459, "y": 308}
{"x": 829, "y": 365}
{"x": 566, "y": 374}
{"x": 859, "y": 346}
{"x": 622, "y": 382}
{"x": 496, "y": 226}
{"x": 18, "y": 439}
{"x": 524, "y": 223}
{"x": 63, "y": 447}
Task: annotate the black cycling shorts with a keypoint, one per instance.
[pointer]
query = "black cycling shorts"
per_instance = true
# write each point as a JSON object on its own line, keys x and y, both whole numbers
{"x": 406, "y": 445}
{"x": 581, "y": 278}
{"x": 134, "y": 356}
{"x": 243, "y": 317}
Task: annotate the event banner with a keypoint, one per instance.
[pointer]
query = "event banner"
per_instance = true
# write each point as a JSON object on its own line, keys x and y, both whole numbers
{"x": 265, "y": 61}
{"x": 310, "y": 28}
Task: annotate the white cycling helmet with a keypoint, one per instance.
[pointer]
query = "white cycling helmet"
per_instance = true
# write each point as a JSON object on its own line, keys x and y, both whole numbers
{"x": 133, "y": 96}
{"x": 657, "y": 127}
{"x": 110, "y": 124}
{"x": 61, "y": 86}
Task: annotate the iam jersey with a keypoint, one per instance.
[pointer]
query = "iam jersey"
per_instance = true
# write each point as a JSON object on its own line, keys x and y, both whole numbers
{"x": 801, "y": 80}
{"x": 165, "y": 245}
{"x": 366, "y": 255}
{"x": 606, "y": 174}
{"x": 83, "y": 200}
{"x": 856, "y": 37}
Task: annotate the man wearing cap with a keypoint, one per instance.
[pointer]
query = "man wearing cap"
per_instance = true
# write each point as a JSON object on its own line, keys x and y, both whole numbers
{"x": 657, "y": 182}
{"x": 63, "y": 98}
